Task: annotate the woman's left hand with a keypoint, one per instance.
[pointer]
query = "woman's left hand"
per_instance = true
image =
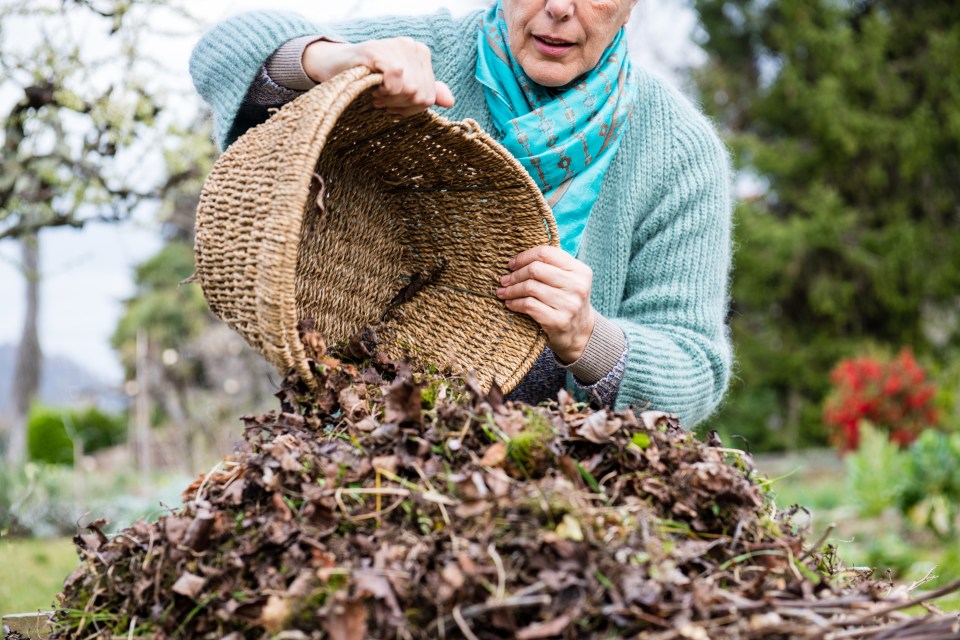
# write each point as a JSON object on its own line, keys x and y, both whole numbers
{"x": 553, "y": 288}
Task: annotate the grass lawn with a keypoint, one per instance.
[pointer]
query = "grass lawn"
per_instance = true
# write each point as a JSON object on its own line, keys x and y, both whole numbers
{"x": 33, "y": 573}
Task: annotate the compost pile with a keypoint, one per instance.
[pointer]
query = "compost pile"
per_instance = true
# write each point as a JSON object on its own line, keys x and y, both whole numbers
{"x": 400, "y": 502}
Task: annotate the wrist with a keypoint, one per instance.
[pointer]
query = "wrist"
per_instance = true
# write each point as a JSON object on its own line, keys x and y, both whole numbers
{"x": 324, "y": 59}
{"x": 605, "y": 348}
{"x": 579, "y": 342}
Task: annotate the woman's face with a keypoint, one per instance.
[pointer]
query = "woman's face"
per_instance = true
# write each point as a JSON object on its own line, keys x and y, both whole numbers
{"x": 555, "y": 41}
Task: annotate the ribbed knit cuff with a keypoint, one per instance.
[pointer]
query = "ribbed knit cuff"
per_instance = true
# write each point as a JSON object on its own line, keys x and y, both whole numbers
{"x": 285, "y": 66}
{"x": 600, "y": 356}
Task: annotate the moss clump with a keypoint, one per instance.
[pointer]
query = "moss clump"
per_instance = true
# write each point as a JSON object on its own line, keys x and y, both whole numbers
{"x": 529, "y": 450}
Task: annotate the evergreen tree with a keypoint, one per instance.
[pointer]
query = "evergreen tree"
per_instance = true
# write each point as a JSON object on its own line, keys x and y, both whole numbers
{"x": 845, "y": 117}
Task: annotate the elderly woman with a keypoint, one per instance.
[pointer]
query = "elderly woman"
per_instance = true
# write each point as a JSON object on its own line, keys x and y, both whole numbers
{"x": 634, "y": 302}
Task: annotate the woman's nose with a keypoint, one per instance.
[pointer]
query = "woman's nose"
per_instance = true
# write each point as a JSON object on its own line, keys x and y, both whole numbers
{"x": 559, "y": 9}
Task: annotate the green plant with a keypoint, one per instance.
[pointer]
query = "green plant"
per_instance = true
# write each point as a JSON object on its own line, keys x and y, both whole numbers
{"x": 52, "y": 432}
{"x": 922, "y": 481}
{"x": 875, "y": 472}
{"x": 930, "y": 492}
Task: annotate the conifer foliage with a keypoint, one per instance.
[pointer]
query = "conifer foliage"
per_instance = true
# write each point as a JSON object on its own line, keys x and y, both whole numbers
{"x": 846, "y": 114}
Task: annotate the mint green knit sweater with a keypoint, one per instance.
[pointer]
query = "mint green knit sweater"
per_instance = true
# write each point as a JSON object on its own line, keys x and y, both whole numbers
{"x": 658, "y": 237}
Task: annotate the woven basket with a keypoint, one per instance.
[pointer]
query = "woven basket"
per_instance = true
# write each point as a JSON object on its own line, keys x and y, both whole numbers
{"x": 331, "y": 208}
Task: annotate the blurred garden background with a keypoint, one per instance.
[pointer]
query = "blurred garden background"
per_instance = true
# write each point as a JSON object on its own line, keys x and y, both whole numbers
{"x": 117, "y": 386}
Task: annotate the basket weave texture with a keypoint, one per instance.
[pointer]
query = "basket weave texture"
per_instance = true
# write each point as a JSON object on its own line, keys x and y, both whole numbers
{"x": 331, "y": 208}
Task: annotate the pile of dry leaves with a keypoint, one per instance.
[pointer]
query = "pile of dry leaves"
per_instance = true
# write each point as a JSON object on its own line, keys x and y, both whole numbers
{"x": 401, "y": 504}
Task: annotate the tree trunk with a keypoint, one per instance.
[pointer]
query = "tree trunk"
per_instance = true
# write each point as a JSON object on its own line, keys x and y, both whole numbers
{"x": 26, "y": 381}
{"x": 142, "y": 411}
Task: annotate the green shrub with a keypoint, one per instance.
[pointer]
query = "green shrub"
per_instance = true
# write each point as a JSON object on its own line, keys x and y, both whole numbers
{"x": 875, "y": 471}
{"x": 930, "y": 491}
{"x": 923, "y": 481}
{"x": 47, "y": 438}
{"x": 51, "y": 432}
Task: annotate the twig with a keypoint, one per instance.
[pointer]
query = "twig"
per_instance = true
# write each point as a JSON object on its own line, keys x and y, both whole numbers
{"x": 821, "y": 604}
{"x": 816, "y": 545}
{"x": 464, "y": 627}
{"x": 433, "y": 490}
{"x": 932, "y": 595}
{"x": 402, "y": 494}
{"x": 922, "y": 581}
{"x": 378, "y": 498}
{"x": 474, "y": 611}
{"x": 199, "y": 496}
{"x": 501, "y": 574}
{"x": 806, "y": 614}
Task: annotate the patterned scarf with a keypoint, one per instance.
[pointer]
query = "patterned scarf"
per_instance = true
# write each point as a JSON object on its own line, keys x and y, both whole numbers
{"x": 566, "y": 140}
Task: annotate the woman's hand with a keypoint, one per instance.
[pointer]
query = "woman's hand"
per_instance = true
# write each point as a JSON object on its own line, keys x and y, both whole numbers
{"x": 409, "y": 85}
{"x": 553, "y": 288}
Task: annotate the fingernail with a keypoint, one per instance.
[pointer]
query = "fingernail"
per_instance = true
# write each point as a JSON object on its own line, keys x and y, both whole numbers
{"x": 501, "y": 291}
{"x": 504, "y": 279}
{"x": 511, "y": 263}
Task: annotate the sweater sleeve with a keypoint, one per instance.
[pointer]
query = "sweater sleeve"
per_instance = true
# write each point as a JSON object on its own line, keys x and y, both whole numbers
{"x": 675, "y": 302}
{"x": 229, "y": 57}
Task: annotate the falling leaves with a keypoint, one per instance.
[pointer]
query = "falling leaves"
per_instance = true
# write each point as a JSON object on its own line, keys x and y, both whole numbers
{"x": 402, "y": 401}
{"x": 313, "y": 342}
{"x": 362, "y": 345}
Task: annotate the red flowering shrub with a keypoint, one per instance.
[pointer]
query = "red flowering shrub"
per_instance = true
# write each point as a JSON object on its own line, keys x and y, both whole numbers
{"x": 894, "y": 395}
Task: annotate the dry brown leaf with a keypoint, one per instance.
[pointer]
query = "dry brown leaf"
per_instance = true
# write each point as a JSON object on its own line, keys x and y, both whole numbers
{"x": 403, "y": 402}
{"x": 189, "y": 585}
{"x": 452, "y": 575}
{"x": 653, "y": 419}
{"x": 494, "y": 455}
{"x": 386, "y": 463}
{"x": 597, "y": 428}
{"x": 377, "y": 585}
{"x": 347, "y": 621}
{"x": 275, "y": 614}
{"x": 569, "y": 529}
{"x": 351, "y": 403}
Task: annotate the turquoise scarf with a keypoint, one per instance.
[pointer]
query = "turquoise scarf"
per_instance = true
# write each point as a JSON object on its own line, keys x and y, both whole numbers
{"x": 566, "y": 140}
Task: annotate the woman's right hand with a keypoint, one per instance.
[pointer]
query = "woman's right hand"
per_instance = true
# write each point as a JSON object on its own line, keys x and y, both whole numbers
{"x": 409, "y": 85}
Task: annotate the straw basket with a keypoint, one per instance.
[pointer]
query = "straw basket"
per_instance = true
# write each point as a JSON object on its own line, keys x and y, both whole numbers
{"x": 331, "y": 209}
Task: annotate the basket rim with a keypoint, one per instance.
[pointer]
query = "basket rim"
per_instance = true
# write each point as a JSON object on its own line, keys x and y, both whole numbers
{"x": 332, "y": 99}
{"x": 294, "y": 179}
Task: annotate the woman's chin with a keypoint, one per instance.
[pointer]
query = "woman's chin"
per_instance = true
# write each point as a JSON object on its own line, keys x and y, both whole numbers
{"x": 551, "y": 74}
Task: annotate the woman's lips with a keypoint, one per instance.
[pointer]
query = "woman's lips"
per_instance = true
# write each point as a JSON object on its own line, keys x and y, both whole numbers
{"x": 551, "y": 47}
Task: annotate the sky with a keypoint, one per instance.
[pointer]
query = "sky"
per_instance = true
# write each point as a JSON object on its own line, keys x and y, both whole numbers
{"x": 87, "y": 274}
